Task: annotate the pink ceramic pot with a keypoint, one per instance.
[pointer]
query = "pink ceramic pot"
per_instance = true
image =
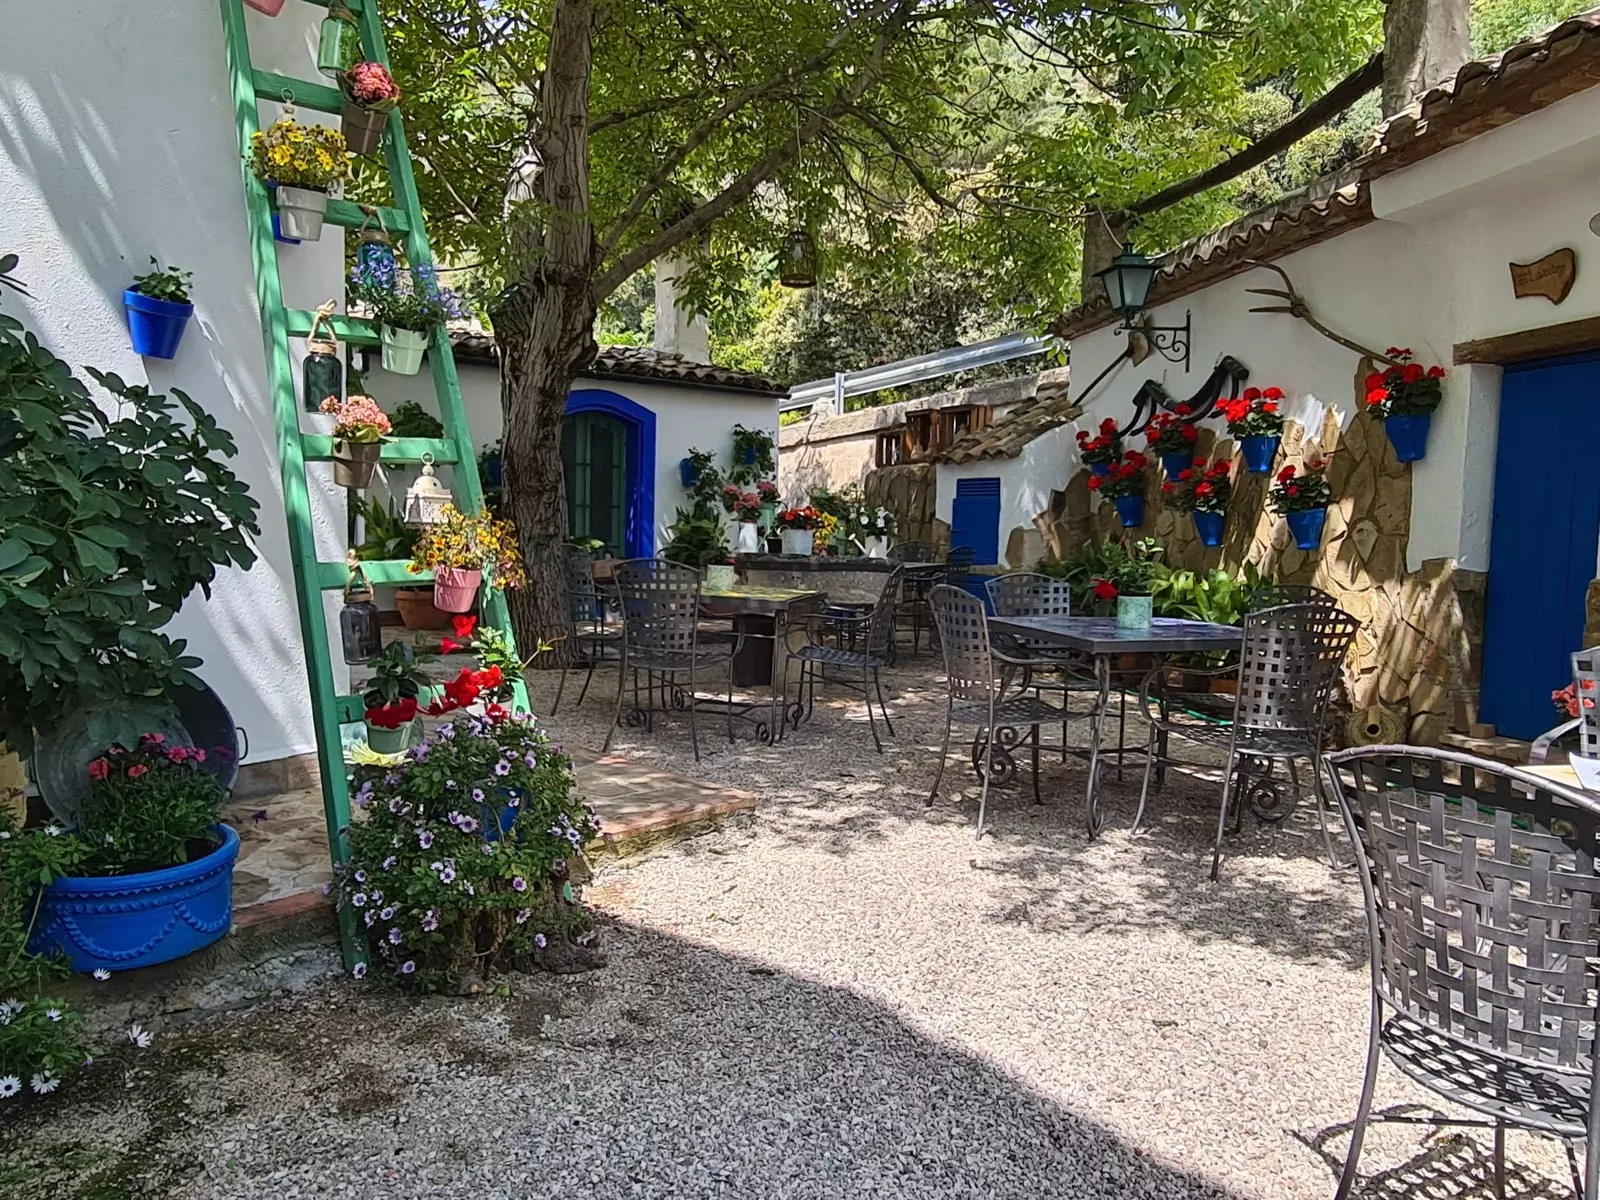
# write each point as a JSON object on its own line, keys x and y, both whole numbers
{"x": 455, "y": 589}
{"x": 271, "y": 7}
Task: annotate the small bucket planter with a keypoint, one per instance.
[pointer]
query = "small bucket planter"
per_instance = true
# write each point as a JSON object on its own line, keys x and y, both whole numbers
{"x": 1306, "y": 525}
{"x": 877, "y": 546}
{"x": 455, "y": 588}
{"x": 402, "y": 350}
{"x": 1209, "y": 526}
{"x": 301, "y": 212}
{"x": 355, "y": 462}
{"x": 390, "y": 741}
{"x": 1259, "y": 451}
{"x": 277, "y": 225}
{"x": 1101, "y": 469}
{"x": 1133, "y": 612}
{"x": 798, "y": 541}
{"x": 1176, "y": 463}
{"x": 749, "y": 538}
{"x": 1130, "y": 509}
{"x": 122, "y": 922}
{"x": 1408, "y": 434}
{"x": 688, "y": 473}
{"x": 156, "y": 326}
{"x": 363, "y": 127}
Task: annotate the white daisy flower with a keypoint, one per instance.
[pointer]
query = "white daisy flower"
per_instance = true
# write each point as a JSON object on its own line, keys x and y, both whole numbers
{"x": 140, "y": 1037}
{"x": 54, "y": 830}
{"x": 53, "y": 1014}
{"x": 10, "y": 1085}
{"x": 102, "y": 974}
{"x": 44, "y": 1084}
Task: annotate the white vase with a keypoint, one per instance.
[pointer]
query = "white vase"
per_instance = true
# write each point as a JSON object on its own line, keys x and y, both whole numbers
{"x": 749, "y": 538}
{"x": 877, "y": 546}
{"x": 798, "y": 541}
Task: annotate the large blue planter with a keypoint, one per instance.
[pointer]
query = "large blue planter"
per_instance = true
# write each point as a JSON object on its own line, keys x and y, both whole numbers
{"x": 1306, "y": 525}
{"x": 1101, "y": 469}
{"x": 1259, "y": 451}
{"x": 1409, "y": 435}
{"x": 156, "y": 325}
{"x": 1209, "y": 527}
{"x": 1177, "y": 462}
{"x": 121, "y": 922}
{"x": 1130, "y": 509}
{"x": 688, "y": 473}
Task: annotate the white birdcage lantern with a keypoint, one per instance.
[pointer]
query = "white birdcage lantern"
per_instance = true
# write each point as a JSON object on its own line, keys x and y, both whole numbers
{"x": 427, "y": 498}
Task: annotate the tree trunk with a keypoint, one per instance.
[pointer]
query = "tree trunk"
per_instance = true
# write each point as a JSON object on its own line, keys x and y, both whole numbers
{"x": 1425, "y": 42}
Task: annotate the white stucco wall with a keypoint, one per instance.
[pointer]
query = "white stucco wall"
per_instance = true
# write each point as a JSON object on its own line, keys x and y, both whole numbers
{"x": 1430, "y": 273}
{"x": 1025, "y": 484}
{"x": 686, "y": 418}
{"x": 117, "y": 142}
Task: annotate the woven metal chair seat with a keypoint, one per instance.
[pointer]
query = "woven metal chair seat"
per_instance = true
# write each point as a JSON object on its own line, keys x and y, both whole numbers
{"x": 832, "y": 656}
{"x": 1270, "y": 743}
{"x": 714, "y": 657}
{"x": 1017, "y": 710}
{"x": 1556, "y": 1101}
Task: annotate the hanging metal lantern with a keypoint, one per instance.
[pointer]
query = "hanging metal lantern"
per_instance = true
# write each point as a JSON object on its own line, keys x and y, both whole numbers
{"x": 427, "y": 499}
{"x": 321, "y": 375}
{"x": 797, "y": 267}
{"x": 360, "y": 633}
{"x": 339, "y": 41}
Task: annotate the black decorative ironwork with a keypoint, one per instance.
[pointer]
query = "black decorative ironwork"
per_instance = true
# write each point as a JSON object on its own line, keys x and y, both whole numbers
{"x": 1225, "y": 381}
{"x": 1172, "y": 342}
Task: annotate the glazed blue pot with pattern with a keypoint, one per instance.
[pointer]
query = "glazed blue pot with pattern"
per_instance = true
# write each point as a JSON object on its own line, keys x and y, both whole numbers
{"x": 122, "y": 922}
{"x": 1130, "y": 509}
{"x": 1177, "y": 462}
{"x": 1209, "y": 527}
{"x": 1259, "y": 451}
{"x": 1101, "y": 469}
{"x": 1306, "y": 525}
{"x": 1408, "y": 435}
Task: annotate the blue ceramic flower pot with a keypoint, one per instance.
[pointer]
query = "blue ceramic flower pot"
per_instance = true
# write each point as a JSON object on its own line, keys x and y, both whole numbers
{"x": 687, "y": 472}
{"x": 1101, "y": 469}
{"x": 496, "y": 820}
{"x": 1306, "y": 525}
{"x": 1409, "y": 435}
{"x": 156, "y": 325}
{"x": 121, "y": 922}
{"x": 1130, "y": 509}
{"x": 1209, "y": 527}
{"x": 1259, "y": 451}
{"x": 1177, "y": 462}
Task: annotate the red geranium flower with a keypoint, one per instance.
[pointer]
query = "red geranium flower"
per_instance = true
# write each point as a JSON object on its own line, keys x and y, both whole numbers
{"x": 1168, "y": 486}
{"x": 137, "y": 770}
{"x": 1435, "y": 372}
{"x": 1377, "y": 396}
{"x": 1269, "y": 407}
{"x": 1373, "y": 381}
{"x": 1251, "y": 394}
{"x": 1273, "y": 393}
{"x": 1190, "y": 432}
{"x": 1286, "y": 474}
{"x": 464, "y": 625}
{"x": 1183, "y": 410}
{"x": 1094, "y": 483}
{"x": 1104, "y": 589}
{"x": 1293, "y": 489}
{"x": 1412, "y": 372}
{"x": 1186, "y": 473}
{"x": 1202, "y": 489}
{"x": 1109, "y": 426}
{"x": 99, "y": 769}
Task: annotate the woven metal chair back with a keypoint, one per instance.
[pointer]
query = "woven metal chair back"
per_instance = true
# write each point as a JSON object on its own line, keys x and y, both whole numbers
{"x": 1276, "y": 595}
{"x": 958, "y": 565}
{"x": 660, "y": 608}
{"x": 1480, "y": 887}
{"x": 1586, "y": 687}
{"x": 880, "y": 624}
{"x": 1288, "y": 665}
{"x": 577, "y": 574}
{"x": 1029, "y": 594}
{"x": 914, "y": 552}
{"x": 964, "y": 638}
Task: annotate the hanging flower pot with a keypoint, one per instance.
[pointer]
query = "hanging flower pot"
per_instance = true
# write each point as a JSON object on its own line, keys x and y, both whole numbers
{"x": 1259, "y": 451}
{"x": 1101, "y": 469}
{"x": 1130, "y": 509}
{"x": 1133, "y": 612}
{"x": 370, "y": 94}
{"x": 271, "y": 7}
{"x": 363, "y": 127}
{"x": 298, "y": 164}
{"x": 798, "y": 541}
{"x": 156, "y": 326}
{"x": 300, "y": 212}
{"x": 417, "y": 609}
{"x": 1408, "y": 434}
{"x": 355, "y": 462}
{"x": 402, "y": 350}
{"x": 749, "y": 538}
{"x": 392, "y": 727}
{"x": 1177, "y": 462}
{"x": 1306, "y": 525}
{"x": 455, "y": 588}
{"x": 277, "y": 225}
{"x": 688, "y": 473}
{"x": 374, "y": 255}
{"x": 1209, "y": 526}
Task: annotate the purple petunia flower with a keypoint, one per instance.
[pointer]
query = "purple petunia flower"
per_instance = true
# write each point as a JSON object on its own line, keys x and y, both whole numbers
{"x": 388, "y": 862}
{"x": 371, "y": 918}
{"x": 392, "y": 778}
{"x": 531, "y": 759}
{"x": 424, "y": 838}
{"x": 523, "y": 915}
{"x": 538, "y": 940}
{"x": 469, "y": 824}
{"x": 477, "y": 795}
{"x": 487, "y": 848}
{"x": 445, "y": 732}
{"x": 407, "y": 967}
{"x": 359, "y": 899}
{"x": 450, "y": 785}
{"x": 519, "y": 884}
{"x": 395, "y": 804}
{"x": 359, "y": 971}
{"x": 447, "y": 875}
{"x": 395, "y": 936}
{"x": 387, "y": 914}
{"x": 502, "y": 768}
{"x": 361, "y": 876}
{"x": 430, "y": 920}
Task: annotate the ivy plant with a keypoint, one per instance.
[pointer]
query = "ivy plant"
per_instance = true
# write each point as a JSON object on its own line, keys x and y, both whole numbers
{"x": 109, "y": 518}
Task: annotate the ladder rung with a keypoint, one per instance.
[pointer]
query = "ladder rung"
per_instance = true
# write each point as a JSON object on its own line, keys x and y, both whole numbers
{"x": 354, "y": 6}
{"x": 350, "y": 216}
{"x": 318, "y": 447}
{"x": 385, "y": 572}
{"x": 271, "y": 86}
{"x": 356, "y": 330}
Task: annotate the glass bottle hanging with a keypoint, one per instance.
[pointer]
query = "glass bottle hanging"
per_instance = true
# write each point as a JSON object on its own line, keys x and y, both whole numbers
{"x": 321, "y": 375}
{"x": 338, "y": 42}
{"x": 375, "y": 258}
{"x": 359, "y": 631}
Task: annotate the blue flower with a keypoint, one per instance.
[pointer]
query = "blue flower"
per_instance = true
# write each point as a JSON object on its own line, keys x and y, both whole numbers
{"x": 359, "y": 900}
{"x": 538, "y": 940}
{"x": 477, "y": 795}
{"x": 387, "y": 914}
{"x": 395, "y": 936}
{"x": 359, "y": 971}
{"x": 430, "y": 920}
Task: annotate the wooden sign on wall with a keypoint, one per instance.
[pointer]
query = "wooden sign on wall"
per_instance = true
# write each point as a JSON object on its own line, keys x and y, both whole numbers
{"x": 1551, "y": 276}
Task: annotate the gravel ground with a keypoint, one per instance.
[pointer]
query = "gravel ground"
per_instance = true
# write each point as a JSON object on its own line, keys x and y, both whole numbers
{"x": 847, "y": 997}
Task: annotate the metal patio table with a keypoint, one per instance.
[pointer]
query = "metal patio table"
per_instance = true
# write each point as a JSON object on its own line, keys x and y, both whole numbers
{"x": 762, "y": 617}
{"x": 1101, "y": 639}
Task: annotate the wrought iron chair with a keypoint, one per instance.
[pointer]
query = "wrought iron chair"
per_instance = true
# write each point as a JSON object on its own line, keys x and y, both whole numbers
{"x": 590, "y": 630}
{"x": 1276, "y": 595}
{"x": 1586, "y": 688}
{"x": 1479, "y": 881}
{"x": 1288, "y": 665}
{"x": 979, "y": 698}
{"x": 1033, "y": 594}
{"x": 859, "y": 643}
{"x": 913, "y": 604}
{"x": 661, "y": 636}
{"x": 914, "y": 552}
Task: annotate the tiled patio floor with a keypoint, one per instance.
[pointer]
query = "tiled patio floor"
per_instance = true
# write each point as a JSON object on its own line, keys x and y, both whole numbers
{"x": 283, "y": 853}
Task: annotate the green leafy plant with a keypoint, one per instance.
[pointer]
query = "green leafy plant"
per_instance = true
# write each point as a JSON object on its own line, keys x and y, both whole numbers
{"x": 413, "y": 421}
{"x": 1295, "y": 492}
{"x": 396, "y": 676}
{"x": 164, "y": 283}
{"x": 696, "y": 537}
{"x": 1129, "y": 569}
{"x": 108, "y": 521}
{"x": 754, "y": 455}
{"x": 465, "y": 860}
{"x": 149, "y": 807}
{"x": 1216, "y": 596}
{"x": 387, "y": 537}
{"x": 1255, "y": 413}
{"x": 1405, "y": 388}
{"x": 1199, "y": 488}
{"x": 1126, "y": 477}
{"x": 708, "y": 481}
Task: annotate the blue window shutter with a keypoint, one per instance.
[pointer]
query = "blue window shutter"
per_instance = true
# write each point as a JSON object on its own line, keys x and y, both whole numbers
{"x": 975, "y": 519}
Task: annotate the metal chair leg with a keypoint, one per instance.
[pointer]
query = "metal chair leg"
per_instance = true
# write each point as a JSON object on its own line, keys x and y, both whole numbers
{"x": 988, "y": 770}
{"x": 943, "y": 754}
{"x": 1222, "y": 817}
{"x": 694, "y": 732}
{"x": 877, "y": 683}
{"x": 588, "y": 678}
{"x": 1318, "y": 787}
{"x": 1363, "y": 1110}
{"x": 1037, "y": 799}
{"x": 561, "y": 685}
{"x": 730, "y": 697}
{"x": 622, "y": 675}
{"x": 1499, "y": 1160}
{"x": 871, "y": 720}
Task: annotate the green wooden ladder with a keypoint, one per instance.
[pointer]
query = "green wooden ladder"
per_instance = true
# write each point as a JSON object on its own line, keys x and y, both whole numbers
{"x": 278, "y": 324}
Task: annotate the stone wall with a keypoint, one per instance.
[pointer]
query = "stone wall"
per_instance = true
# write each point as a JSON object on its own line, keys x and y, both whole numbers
{"x": 908, "y": 491}
{"x": 1413, "y": 670}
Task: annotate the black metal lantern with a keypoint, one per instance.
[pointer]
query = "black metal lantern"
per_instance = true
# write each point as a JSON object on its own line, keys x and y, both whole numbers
{"x": 359, "y": 632}
{"x": 797, "y": 268}
{"x": 1127, "y": 281}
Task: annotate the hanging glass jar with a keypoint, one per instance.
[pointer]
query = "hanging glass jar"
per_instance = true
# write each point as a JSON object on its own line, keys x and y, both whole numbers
{"x": 360, "y": 633}
{"x": 427, "y": 499}
{"x": 321, "y": 375}
{"x": 375, "y": 257}
{"x": 338, "y": 42}
{"x": 797, "y": 267}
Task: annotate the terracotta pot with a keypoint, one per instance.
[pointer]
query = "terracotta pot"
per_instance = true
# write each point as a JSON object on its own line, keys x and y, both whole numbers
{"x": 418, "y": 611}
{"x": 1224, "y": 687}
{"x": 454, "y": 589}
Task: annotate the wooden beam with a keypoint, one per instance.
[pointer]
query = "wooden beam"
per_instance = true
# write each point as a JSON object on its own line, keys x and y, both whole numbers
{"x": 1547, "y": 341}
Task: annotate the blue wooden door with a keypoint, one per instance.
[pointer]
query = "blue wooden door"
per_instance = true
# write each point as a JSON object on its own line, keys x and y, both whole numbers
{"x": 1543, "y": 542}
{"x": 975, "y": 519}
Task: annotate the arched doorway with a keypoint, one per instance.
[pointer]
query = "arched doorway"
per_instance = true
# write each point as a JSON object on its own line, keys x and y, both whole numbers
{"x": 608, "y": 454}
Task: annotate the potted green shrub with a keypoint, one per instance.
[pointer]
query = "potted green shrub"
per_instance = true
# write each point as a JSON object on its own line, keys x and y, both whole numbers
{"x": 1129, "y": 580}
{"x": 408, "y": 305}
{"x": 391, "y": 698}
{"x": 1124, "y": 486}
{"x": 299, "y": 163}
{"x": 370, "y": 95}
{"x": 158, "y": 309}
{"x": 359, "y": 427}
